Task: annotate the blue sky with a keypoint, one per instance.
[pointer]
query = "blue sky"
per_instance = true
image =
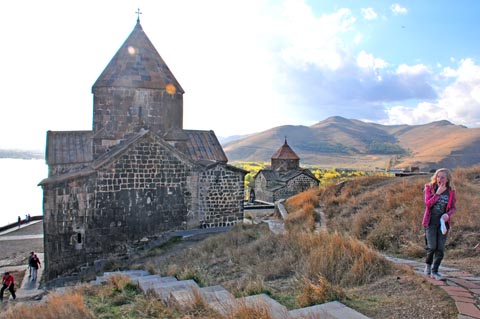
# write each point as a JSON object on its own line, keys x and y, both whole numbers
{"x": 246, "y": 66}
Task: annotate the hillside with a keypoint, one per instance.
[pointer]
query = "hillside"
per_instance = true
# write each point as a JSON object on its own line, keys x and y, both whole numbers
{"x": 340, "y": 142}
{"x": 386, "y": 213}
{"x": 299, "y": 267}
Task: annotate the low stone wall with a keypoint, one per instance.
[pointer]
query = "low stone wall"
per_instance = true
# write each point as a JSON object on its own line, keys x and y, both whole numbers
{"x": 23, "y": 222}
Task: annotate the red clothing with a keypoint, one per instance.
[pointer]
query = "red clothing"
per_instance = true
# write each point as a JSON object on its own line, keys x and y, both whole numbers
{"x": 431, "y": 198}
{"x": 8, "y": 280}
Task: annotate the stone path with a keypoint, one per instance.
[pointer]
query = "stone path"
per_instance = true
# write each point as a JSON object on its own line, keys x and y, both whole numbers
{"x": 461, "y": 286}
{"x": 29, "y": 289}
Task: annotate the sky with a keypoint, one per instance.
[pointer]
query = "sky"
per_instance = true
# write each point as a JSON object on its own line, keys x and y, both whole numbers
{"x": 246, "y": 66}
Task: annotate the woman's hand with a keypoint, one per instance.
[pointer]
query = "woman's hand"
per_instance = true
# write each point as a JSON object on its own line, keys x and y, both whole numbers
{"x": 445, "y": 217}
{"x": 441, "y": 188}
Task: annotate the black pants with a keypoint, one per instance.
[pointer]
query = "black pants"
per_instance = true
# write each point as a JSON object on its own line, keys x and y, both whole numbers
{"x": 10, "y": 288}
{"x": 435, "y": 246}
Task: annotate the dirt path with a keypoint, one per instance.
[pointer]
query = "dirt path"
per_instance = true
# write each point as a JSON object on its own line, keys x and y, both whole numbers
{"x": 17, "y": 244}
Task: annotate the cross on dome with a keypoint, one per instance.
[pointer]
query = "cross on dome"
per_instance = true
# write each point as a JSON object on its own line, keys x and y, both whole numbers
{"x": 138, "y": 14}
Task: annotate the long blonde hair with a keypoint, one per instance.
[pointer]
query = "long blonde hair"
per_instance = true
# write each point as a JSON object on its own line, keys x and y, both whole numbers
{"x": 450, "y": 184}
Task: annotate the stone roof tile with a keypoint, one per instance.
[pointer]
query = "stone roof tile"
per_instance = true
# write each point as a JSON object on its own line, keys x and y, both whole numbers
{"x": 204, "y": 145}
{"x": 137, "y": 64}
{"x": 285, "y": 152}
{"x": 68, "y": 147}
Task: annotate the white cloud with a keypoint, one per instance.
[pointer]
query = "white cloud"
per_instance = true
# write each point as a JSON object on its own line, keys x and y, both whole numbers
{"x": 458, "y": 102}
{"x": 263, "y": 59}
{"x": 423, "y": 113}
{"x": 310, "y": 40}
{"x": 476, "y": 93}
{"x": 322, "y": 76}
{"x": 449, "y": 72}
{"x": 365, "y": 61}
{"x": 369, "y": 14}
{"x": 417, "y": 69}
{"x": 398, "y": 9}
{"x": 358, "y": 39}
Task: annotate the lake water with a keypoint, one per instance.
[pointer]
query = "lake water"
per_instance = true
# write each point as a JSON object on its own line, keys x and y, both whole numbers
{"x": 19, "y": 193}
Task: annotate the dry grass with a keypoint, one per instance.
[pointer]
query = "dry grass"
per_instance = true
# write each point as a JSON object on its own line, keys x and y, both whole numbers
{"x": 250, "y": 260}
{"x": 318, "y": 291}
{"x": 297, "y": 202}
{"x": 68, "y": 305}
{"x": 341, "y": 260}
{"x": 248, "y": 312}
{"x": 386, "y": 213}
{"x": 302, "y": 219}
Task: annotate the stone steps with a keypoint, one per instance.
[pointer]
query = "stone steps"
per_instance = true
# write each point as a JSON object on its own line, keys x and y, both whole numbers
{"x": 329, "y": 310}
{"x": 153, "y": 281}
{"x": 184, "y": 293}
{"x": 263, "y": 301}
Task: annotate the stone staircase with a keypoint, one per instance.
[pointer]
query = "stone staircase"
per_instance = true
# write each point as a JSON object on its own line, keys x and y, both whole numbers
{"x": 183, "y": 293}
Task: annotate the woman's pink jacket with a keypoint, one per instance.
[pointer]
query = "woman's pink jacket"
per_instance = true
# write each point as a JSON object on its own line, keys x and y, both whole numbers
{"x": 431, "y": 198}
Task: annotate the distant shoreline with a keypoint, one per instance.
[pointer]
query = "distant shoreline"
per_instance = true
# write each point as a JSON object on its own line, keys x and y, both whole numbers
{"x": 21, "y": 194}
{"x": 21, "y": 154}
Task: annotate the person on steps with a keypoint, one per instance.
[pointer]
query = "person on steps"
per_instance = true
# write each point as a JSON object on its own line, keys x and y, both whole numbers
{"x": 8, "y": 282}
{"x": 440, "y": 205}
{"x": 34, "y": 263}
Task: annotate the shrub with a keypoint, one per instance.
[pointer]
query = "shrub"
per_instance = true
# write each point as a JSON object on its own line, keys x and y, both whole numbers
{"x": 195, "y": 273}
{"x": 245, "y": 311}
{"x": 68, "y": 305}
{"x": 298, "y": 201}
{"x": 317, "y": 291}
{"x": 301, "y": 220}
{"x": 341, "y": 260}
{"x": 250, "y": 286}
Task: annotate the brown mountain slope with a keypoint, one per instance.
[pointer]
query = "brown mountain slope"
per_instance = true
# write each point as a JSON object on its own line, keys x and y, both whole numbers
{"x": 340, "y": 142}
{"x": 443, "y": 143}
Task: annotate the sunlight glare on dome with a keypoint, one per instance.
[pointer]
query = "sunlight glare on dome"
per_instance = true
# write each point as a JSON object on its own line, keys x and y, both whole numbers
{"x": 170, "y": 88}
{"x": 131, "y": 50}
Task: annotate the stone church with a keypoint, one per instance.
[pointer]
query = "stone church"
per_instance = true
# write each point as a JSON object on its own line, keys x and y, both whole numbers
{"x": 284, "y": 179}
{"x": 137, "y": 173}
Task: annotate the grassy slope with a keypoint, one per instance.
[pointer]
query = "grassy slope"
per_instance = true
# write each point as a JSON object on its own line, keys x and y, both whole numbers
{"x": 386, "y": 213}
{"x": 301, "y": 268}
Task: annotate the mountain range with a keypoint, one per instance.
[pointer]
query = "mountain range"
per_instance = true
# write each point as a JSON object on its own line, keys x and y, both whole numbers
{"x": 348, "y": 143}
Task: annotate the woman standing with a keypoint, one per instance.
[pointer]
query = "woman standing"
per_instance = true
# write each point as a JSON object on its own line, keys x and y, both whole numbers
{"x": 440, "y": 200}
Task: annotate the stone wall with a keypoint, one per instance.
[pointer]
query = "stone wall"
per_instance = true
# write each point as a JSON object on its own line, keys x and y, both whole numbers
{"x": 58, "y": 169}
{"x": 121, "y": 111}
{"x": 69, "y": 207}
{"x": 285, "y": 165}
{"x": 221, "y": 194}
{"x": 144, "y": 191}
{"x": 294, "y": 186}
{"x": 261, "y": 192}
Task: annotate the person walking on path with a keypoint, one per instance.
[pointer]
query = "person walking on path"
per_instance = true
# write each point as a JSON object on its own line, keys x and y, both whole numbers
{"x": 8, "y": 282}
{"x": 440, "y": 205}
{"x": 34, "y": 263}
{"x": 30, "y": 262}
